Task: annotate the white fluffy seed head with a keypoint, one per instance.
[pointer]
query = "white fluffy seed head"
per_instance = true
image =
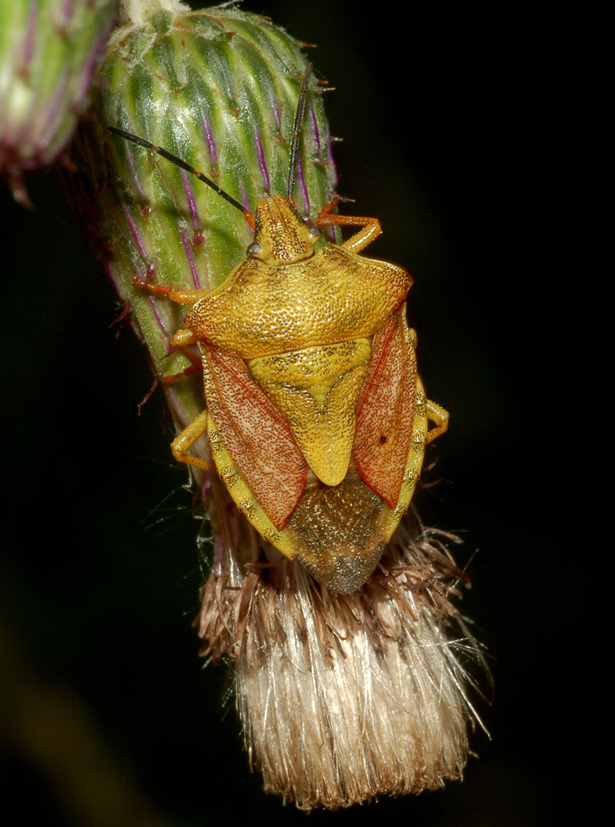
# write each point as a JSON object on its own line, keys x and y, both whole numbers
{"x": 344, "y": 698}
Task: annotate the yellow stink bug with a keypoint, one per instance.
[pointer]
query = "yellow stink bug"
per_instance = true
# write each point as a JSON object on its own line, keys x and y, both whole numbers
{"x": 315, "y": 413}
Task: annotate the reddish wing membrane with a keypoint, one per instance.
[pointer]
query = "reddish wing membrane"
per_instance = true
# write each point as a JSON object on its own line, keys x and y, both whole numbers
{"x": 256, "y": 436}
{"x": 385, "y": 412}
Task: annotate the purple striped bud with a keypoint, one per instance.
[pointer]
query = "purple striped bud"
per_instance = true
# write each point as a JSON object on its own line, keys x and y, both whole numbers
{"x": 49, "y": 50}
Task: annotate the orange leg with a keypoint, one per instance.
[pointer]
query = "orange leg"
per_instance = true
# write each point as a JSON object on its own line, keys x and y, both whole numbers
{"x": 181, "y": 341}
{"x": 183, "y": 338}
{"x": 179, "y": 296}
{"x": 173, "y": 377}
{"x": 371, "y": 227}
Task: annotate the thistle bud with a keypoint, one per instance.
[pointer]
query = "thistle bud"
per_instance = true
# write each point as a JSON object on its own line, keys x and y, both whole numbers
{"x": 218, "y": 88}
{"x": 49, "y": 50}
{"x": 342, "y": 697}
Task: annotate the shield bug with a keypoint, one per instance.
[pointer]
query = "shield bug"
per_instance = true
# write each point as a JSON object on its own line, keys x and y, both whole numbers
{"x": 315, "y": 414}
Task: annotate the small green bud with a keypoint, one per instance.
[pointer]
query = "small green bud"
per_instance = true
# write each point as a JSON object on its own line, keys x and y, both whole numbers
{"x": 49, "y": 50}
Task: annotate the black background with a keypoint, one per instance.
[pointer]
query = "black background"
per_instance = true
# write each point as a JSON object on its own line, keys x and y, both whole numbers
{"x": 447, "y": 120}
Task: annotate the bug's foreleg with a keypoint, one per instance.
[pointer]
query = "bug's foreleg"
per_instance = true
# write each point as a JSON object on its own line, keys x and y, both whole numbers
{"x": 371, "y": 227}
{"x": 182, "y": 443}
{"x": 438, "y": 416}
{"x": 178, "y": 296}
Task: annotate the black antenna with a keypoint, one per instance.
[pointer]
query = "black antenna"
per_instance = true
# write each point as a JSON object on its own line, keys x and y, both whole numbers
{"x": 294, "y": 147}
{"x": 178, "y": 162}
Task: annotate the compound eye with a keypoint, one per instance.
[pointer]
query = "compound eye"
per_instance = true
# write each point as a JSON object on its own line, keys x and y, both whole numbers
{"x": 315, "y": 232}
{"x": 254, "y": 249}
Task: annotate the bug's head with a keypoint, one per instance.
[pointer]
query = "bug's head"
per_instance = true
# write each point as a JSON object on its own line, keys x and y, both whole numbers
{"x": 281, "y": 234}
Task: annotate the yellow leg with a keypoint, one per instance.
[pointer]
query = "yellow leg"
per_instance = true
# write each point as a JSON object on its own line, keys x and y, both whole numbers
{"x": 182, "y": 443}
{"x": 184, "y": 338}
{"x": 440, "y": 417}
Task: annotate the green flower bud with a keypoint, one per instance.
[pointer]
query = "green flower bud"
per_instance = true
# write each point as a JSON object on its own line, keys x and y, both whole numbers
{"x": 218, "y": 88}
{"x": 49, "y": 50}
